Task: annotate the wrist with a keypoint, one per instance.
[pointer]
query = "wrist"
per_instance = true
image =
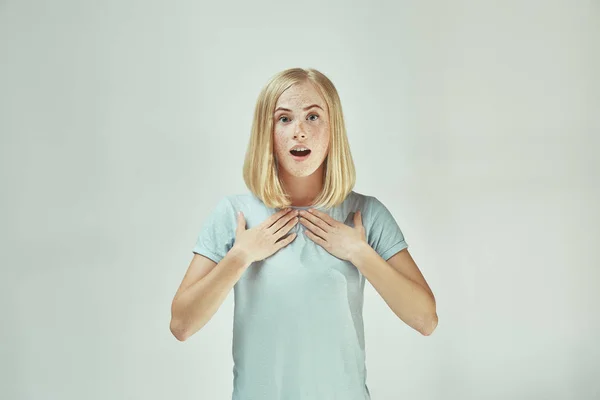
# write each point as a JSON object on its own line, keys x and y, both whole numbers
{"x": 241, "y": 255}
{"x": 359, "y": 252}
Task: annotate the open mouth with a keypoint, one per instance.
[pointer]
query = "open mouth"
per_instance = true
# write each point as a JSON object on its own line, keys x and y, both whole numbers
{"x": 300, "y": 154}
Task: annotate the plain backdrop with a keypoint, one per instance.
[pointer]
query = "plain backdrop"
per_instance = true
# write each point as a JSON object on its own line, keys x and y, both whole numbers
{"x": 124, "y": 122}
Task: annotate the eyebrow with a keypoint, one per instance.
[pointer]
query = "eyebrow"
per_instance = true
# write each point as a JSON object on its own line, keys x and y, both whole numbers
{"x": 305, "y": 108}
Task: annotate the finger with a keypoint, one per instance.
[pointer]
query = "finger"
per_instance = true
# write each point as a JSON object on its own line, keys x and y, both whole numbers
{"x": 357, "y": 218}
{"x": 325, "y": 217}
{"x": 286, "y": 241}
{"x": 283, "y": 231}
{"x": 317, "y": 221}
{"x": 281, "y": 222}
{"x": 275, "y": 217}
{"x": 320, "y": 241}
{"x": 241, "y": 222}
{"x": 314, "y": 228}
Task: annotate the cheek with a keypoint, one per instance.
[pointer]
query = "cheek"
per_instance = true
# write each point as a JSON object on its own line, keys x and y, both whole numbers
{"x": 277, "y": 134}
{"x": 322, "y": 148}
{"x": 279, "y": 146}
{"x": 323, "y": 143}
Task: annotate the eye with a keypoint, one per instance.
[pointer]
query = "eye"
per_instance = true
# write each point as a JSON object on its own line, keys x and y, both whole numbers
{"x": 311, "y": 115}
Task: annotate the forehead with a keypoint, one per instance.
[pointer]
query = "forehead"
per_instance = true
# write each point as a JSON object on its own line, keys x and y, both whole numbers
{"x": 300, "y": 94}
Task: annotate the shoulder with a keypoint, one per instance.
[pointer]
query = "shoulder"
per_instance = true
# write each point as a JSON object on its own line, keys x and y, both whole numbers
{"x": 368, "y": 204}
{"x": 233, "y": 199}
{"x": 250, "y": 205}
{"x": 223, "y": 203}
{"x": 244, "y": 201}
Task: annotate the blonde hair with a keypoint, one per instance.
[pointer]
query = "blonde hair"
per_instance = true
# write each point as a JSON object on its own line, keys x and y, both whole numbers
{"x": 260, "y": 167}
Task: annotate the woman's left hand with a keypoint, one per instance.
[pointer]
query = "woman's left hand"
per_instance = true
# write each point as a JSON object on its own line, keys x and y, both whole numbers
{"x": 337, "y": 238}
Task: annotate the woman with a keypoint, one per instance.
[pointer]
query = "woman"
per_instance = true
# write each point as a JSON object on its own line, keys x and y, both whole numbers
{"x": 297, "y": 254}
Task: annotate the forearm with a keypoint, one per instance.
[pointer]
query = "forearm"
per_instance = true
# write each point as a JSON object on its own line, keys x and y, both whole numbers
{"x": 411, "y": 302}
{"x": 195, "y": 306}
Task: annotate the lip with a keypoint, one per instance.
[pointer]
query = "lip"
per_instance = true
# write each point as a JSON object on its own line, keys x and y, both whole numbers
{"x": 300, "y": 146}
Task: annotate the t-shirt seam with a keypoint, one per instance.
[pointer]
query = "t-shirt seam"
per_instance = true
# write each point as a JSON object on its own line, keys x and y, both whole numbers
{"x": 384, "y": 253}
{"x": 208, "y": 253}
{"x": 200, "y": 248}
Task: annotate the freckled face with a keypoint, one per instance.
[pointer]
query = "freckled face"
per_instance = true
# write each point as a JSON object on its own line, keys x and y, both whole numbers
{"x": 301, "y": 118}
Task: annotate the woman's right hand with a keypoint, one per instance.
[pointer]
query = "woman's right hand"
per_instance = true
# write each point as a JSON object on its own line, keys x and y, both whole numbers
{"x": 261, "y": 241}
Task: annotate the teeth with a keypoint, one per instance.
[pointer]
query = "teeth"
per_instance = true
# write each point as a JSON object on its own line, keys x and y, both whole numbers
{"x": 300, "y": 149}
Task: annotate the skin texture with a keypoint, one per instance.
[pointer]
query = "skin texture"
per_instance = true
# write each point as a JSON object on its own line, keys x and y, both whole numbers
{"x": 399, "y": 280}
{"x": 302, "y": 180}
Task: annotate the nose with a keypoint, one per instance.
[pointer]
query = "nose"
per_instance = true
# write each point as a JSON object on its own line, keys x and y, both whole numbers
{"x": 298, "y": 132}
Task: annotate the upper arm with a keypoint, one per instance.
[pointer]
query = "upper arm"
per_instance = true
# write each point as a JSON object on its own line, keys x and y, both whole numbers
{"x": 199, "y": 267}
{"x": 383, "y": 233}
{"x": 217, "y": 234}
{"x": 403, "y": 262}
{"x": 214, "y": 240}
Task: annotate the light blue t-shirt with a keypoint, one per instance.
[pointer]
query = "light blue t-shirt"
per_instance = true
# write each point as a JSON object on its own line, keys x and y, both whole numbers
{"x": 298, "y": 326}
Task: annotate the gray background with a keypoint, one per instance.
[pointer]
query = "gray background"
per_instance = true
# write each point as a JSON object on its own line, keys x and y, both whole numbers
{"x": 124, "y": 122}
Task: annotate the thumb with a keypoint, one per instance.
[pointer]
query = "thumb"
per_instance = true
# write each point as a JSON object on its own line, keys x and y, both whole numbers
{"x": 241, "y": 222}
{"x": 357, "y": 218}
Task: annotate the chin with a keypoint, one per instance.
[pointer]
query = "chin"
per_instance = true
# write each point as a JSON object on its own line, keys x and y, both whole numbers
{"x": 300, "y": 172}
{"x": 303, "y": 174}
{"x": 303, "y": 171}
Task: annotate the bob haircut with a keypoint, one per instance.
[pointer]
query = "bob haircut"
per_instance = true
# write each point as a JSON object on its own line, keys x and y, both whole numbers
{"x": 260, "y": 167}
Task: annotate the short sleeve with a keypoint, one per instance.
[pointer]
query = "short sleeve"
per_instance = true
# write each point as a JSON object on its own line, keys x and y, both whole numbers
{"x": 217, "y": 233}
{"x": 383, "y": 233}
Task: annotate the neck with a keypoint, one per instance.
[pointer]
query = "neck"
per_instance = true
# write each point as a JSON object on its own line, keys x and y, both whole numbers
{"x": 302, "y": 190}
